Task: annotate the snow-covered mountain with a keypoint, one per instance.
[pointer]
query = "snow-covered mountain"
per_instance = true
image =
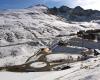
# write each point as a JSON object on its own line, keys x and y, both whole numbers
{"x": 24, "y": 31}
{"x": 75, "y": 14}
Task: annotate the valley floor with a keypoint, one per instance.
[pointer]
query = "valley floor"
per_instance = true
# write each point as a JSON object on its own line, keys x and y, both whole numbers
{"x": 83, "y": 70}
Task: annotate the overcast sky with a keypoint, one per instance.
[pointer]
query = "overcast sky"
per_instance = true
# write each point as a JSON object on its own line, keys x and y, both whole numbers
{"x": 87, "y": 4}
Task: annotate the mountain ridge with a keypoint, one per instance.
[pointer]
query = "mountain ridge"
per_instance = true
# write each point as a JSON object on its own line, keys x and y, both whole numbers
{"x": 23, "y": 31}
{"x": 75, "y": 14}
{"x": 69, "y": 14}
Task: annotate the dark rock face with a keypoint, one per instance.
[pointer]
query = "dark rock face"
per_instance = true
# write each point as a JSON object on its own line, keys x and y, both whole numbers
{"x": 64, "y": 9}
{"x": 75, "y": 14}
{"x": 77, "y": 11}
{"x": 53, "y": 11}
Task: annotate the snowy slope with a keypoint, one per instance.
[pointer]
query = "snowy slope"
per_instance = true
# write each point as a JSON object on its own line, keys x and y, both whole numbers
{"x": 92, "y": 72}
{"x": 24, "y": 31}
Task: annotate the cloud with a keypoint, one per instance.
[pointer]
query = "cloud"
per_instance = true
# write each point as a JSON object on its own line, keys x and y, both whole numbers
{"x": 88, "y": 4}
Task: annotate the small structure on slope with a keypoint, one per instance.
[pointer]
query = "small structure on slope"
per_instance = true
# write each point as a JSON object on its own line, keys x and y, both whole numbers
{"x": 96, "y": 52}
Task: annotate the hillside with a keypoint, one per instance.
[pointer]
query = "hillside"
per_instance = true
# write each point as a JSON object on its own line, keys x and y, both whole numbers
{"x": 75, "y": 14}
{"x": 24, "y": 31}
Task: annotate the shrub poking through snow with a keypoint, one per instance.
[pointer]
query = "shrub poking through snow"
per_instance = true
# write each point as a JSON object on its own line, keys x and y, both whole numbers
{"x": 10, "y": 37}
{"x": 14, "y": 53}
{"x": 85, "y": 66}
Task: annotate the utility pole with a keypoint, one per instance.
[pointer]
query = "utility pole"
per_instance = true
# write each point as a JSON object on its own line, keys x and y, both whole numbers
{"x": 82, "y": 42}
{"x": 96, "y": 40}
